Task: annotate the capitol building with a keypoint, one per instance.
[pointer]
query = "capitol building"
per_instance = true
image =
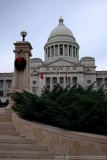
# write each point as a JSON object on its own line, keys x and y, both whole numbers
{"x": 61, "y": 65}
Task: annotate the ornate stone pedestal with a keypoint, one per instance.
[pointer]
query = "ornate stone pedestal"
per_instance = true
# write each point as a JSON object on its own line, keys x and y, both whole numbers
{"x": 21, "y": 79}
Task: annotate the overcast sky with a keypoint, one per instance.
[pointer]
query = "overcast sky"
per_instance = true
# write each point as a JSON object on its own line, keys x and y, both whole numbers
{"x": 87, "y": 19}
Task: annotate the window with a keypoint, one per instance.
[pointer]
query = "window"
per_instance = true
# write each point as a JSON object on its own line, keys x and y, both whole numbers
{"x": 69, "y": 50}
{"x": 1, "y": 93}
{"x": 48, "y": 52}
{"x": 52, "y": 49}
{"x": 54, "y": 80}
{"x": 68, "y": 80}
{"x": 61, "y": 80}
{"x": 48, "y": 87}
{"x": 1, "y": 83}
{"x": 99, "y": 82}
{"x": 34, "y": 82}
{"x": 73, "y": 51}
{"x": 88, "y": 81}
{"x": 9, "y": 83}
{"x": 105, "y": 82}
{"x": 76, "y": 52}
{"x": 7, "y": 100}
{"x": 47, "y": 80}
{"x": 61, "y": 69}
{"x": 61, "y": 50}
{"x": 7, "y": 94}
{"x": 88, "y": 70}
{"x": 54, "y": 86}
{"x": 74, "y": 80}
{"x": 34, "y": 91}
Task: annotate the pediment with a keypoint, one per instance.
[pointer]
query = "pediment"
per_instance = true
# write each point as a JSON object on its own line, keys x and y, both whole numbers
{"x": 62, "y": 63}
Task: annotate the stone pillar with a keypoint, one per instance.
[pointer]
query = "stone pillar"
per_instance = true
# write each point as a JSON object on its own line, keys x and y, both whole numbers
{"x": 50, "y": 53}
{"x": 68, "y": 49}
{"x": 63, "y": 50}
{"x": 21, "y": 79}
{"x": 78, "y": 53}
{"x": 45, "y": 53}
{"x": 4, "y": 88}
{"x": 58, "y": 50}
{"x": 75, "y": 53}
{"x": 64, "y": 82}
{"x": 51, "y": 84}
{"x": 54, "y": 50}
{"x": 72, "y": 51}
{"x": 104, "y": 82}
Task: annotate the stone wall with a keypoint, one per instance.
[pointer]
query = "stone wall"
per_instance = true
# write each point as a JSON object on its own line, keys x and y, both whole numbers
{"x": 62, "y": 141}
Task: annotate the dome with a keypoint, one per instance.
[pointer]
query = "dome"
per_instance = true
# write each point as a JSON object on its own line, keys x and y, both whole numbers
{"x": 61, "y": 44}
{"x": 61, "y": 29}
{"x": 61, "y": 32}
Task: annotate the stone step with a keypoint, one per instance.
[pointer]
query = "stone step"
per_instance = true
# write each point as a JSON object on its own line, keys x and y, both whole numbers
{"x": 24, "y": 159}
{"x": 5, "y": 146}
{"x": 7, "y": 129}
{"x": 5, "y": 118}
{"x": 5, "y": 111}
{"x": 12, "y": 133}
{"x": 25, "y": 154}
{"x": 16, "y": 140}
{"x": 6, "y": 125}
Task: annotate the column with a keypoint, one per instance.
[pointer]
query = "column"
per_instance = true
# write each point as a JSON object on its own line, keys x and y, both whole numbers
{"x": 64, "y": 82}
{"x": 58, "y": 79}
{"x": 15, "y": 81}
{"x": 58, "y": 50}
{"x": 4, "y": 88}
{"x": 68, "y": 49}
{"x": 63, "y": 50}
{"x": 72, "y": 51}
{"x": 50, "y": 52}
{"x": 51, "y": 84}
{"x": 75, "y": 52}
{"x": 54, "y": 50}
{"x": 45, "y": 53}
{"x": 103, "y": 80}
{"x": 78, "y": 53}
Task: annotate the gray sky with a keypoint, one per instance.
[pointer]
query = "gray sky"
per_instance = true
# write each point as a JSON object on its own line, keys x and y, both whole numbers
{"x": 87, "y": 19}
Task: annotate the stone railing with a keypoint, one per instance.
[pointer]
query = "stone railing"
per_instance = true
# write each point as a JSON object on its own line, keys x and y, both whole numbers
{"x": 62, "y": 141}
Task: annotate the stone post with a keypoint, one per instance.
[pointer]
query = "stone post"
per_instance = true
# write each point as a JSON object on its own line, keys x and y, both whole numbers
{"x": 21, "y": 79}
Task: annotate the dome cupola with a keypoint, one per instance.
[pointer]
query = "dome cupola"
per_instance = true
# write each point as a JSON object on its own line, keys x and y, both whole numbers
{"x": 61, "y": 43}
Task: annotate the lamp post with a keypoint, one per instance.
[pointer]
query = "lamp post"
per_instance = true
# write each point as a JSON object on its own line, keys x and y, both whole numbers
{"x": 23, "y": 34}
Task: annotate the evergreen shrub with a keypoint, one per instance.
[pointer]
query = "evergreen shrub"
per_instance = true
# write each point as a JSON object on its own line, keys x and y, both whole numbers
{"x": 74, "y": 108}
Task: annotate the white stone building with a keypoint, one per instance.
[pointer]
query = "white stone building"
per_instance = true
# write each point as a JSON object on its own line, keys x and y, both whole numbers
{"x": 62, "y": 55}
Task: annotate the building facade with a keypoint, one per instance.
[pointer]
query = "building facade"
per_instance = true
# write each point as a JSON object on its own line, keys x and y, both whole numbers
{"x": 61, "y": 65}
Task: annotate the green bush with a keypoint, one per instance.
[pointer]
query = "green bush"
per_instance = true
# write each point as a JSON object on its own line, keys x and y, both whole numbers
{"x": 71, "y": 108}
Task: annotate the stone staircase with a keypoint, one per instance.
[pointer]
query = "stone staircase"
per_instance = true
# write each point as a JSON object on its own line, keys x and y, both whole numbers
{"x": 15, "y": 147}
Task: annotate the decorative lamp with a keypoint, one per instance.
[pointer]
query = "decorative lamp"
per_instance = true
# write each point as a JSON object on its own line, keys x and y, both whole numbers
{"x": 23, "y": 34}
